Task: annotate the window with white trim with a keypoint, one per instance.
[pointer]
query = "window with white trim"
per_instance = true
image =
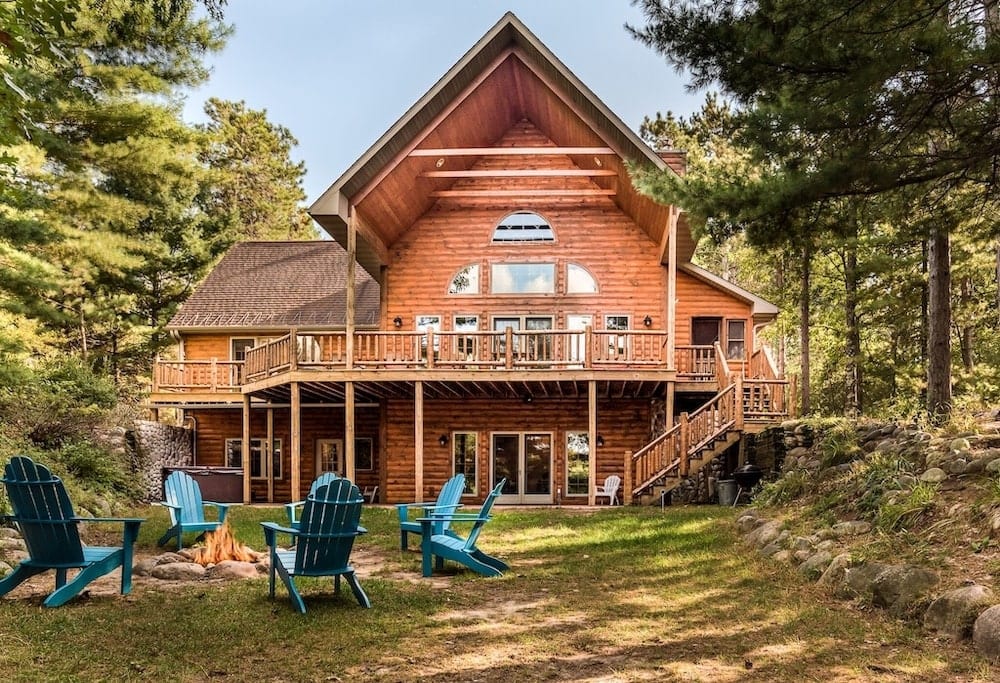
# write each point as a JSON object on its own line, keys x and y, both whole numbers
{"x": 523, "y": 226}
{"x": 466, "y": 347}
{"x": 466, "y": 280}
{"x": 234, "y": 457}
{"x": 736, "y": 331}
{"x": 428, "y": 323}
{"x": 523, "y": 278}
{"x": 463, "y": 459}
{"x": 579, "y": 280}
{"x": 577, "y": 463}
{"x": 616, "y": 343}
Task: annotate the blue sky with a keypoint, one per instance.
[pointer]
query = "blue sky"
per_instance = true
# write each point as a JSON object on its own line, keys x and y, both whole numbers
{"x": 338, "y": 74}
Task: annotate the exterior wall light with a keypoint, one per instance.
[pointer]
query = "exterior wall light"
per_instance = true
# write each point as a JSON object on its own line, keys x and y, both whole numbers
{"x": 647, "y": 321}
{"x": 443, "y": 439}
{"x": 600, "y": 441}
{"x": 397, "y": 321}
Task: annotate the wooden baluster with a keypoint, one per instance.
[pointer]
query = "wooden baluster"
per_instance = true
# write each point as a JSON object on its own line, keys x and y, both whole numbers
{"x": 214, "y": 375}
{"x": 627, "y": 492}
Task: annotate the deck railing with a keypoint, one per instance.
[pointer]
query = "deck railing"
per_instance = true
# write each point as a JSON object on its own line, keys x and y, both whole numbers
{"x": 504, "y": 349}
{"x": 171, "y": 376}
{"x": 695, "y": 363}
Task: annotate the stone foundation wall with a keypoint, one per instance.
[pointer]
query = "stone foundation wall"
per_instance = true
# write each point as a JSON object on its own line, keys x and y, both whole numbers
{"x": 154, "y": 446}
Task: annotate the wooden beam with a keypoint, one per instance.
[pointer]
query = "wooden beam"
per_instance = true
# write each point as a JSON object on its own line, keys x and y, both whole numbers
{"x": 592, "y": 440}
{"x": 522, "y": 173}
{"x": 245, "y": 448}
{"x": 418, "y": 440}
{"x": 671, "y": 287}
{"x": 296, "y": 441}
{"x": 349, "y": 456}
{"x": 352, "y": 257}
{"x": 509, "y": 151}
{"x": 444, "y": 194}
{"x": 269, "y": 449}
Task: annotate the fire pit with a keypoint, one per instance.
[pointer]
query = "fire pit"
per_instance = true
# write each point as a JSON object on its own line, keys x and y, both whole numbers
{"x": 221, "y": 546}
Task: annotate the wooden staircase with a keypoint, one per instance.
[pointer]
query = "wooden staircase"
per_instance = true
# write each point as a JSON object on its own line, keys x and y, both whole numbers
{"x": 689, "y": 445}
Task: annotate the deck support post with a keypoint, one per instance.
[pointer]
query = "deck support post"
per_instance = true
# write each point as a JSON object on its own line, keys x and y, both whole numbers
{"x": 296, "y": 441}
{"x": 672, "y": 286}
{"x": 352, "y": 257}
{"x": 592, "y": 441}
{"x": 418, "y": 440}
{"x": 627, "y": 491}
{"x": 349, "y": 456}
{"x": 685, "y": 437}
{"x": 245, "y": 449}
{"x": 269, "y": 459}
{"x": 669, "y": 406}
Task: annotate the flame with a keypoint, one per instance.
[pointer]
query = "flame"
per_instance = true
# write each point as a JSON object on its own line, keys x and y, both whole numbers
{"x": 221, "y": 545}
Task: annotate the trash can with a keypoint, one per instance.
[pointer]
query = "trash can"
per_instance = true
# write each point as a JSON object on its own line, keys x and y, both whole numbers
{"x": 727, "y": 491}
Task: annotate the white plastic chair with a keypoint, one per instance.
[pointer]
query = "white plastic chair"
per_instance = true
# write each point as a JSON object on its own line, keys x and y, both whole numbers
{"x": 609, "y": 490}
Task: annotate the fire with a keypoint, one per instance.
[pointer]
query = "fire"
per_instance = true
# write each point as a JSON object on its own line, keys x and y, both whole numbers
{"x": 221, "y": 545}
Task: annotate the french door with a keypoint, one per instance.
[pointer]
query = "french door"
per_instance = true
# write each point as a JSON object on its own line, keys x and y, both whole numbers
{"x": 525, "y": 460}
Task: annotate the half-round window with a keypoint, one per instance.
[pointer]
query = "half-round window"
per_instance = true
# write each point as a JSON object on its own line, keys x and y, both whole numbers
{"x": 466, "y": 280}
{"x": 523, "y": 226}
{"x": 579, "y": 280}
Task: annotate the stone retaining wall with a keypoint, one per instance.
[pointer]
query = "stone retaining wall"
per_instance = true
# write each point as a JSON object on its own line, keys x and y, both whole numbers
{"x": 155, "y": 446}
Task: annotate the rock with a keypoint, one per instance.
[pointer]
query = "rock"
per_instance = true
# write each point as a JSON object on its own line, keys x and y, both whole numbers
{"x": 771, "y": 549}
{"x": 953, "y": 613}
{"x": 861, "y": 578}
{"x": 986, "y": 633}
{"x": 835, "y": 574}
{"x": 934, "y": 475}
{"x": 7, "y": 532}
{"x": 975, "y": 466}
{"x": 12, "y": 544}
{"x": 783, "y": 556}
{"x": 764, "y": 534}
{"x": 801, "y": 555}
{"x": 231, "y": 569}
{"x": 854, "y": 528}
{"x": 957, "y": 466}
{"x": 900, "y": 587}
{"x": 993, "y": 466}
{"x": 178, "y": 571}
{"x": 801, "y": 543}
{"x": 827, "y": 545}
{"x": 5, "y": 568}
{"x": 815, "y": 566}
{"x": 747, "y": 523}
{"x": 797, "y": 452}
{"x": 144, "y": 566}
{"x": 959, "y": 444}
{"x": 813, "y": 465}
{"x": 170, "y": 558}
{"x": 906, "y": 481}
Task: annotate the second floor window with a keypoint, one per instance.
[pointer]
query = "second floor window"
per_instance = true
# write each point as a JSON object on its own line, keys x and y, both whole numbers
{"x": 466, "y": 280}
{"x": 523, "y": 278}
{"x": 523, "y": 226}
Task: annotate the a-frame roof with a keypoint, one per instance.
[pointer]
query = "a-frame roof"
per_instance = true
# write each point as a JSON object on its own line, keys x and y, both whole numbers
{"x": 508, "y": 76}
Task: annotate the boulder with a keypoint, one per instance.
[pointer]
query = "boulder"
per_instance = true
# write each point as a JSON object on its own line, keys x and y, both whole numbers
{"x": 801, "y": 555}
{"x": 986, "y": 633}
{"x": 953, "y": 613}
{"x": 771, "y": 549}
{"x": 993, "y": 466}
{"x": 934, "y": 475}
{"x": 12, "y": 544}
{"x": 861, "y": 578}
{"x": 899, "y": 588}
{"x": 853, "y": 528}
{"x": 7, "y": 532}
{"x": 782, "y": 556}
{"x": 231, "y": 569}
{"x": 170, "y": 558}
{"x": 178, "y": 571}
{"x": 747, "y": 523}
{"x": 764, "y": 534}
{"x": 5, "y": 568}
{"x": 801, "y": 543}
{"x": 815, "y": 566}
{"x": 836, "y": 571}
{"x": 144, "y": 566}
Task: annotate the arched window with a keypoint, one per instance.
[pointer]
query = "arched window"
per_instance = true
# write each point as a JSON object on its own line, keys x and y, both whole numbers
{"x": 579, "y": 280}
{"x": 523, "y": 226}
{"x": 466, "y": 280}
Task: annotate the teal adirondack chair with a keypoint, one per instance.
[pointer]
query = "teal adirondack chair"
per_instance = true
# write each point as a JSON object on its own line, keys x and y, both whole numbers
{"x": 447, "y": 502}
{"x": 291, "y": 509}
{"x": 187, "y": 509}
{"x": 44, "y": 515}
{"x": 451, "y": 546}
{"x": 323, "y": 541}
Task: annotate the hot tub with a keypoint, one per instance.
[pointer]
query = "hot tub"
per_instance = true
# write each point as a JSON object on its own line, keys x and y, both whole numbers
{"x": 217, "y": 484}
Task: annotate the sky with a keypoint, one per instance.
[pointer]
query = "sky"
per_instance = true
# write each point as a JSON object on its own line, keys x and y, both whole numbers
{"x": 338, "y": 74}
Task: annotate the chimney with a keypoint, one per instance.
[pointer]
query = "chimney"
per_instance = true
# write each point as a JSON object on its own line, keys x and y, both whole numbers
{"x": 676, "y": 159}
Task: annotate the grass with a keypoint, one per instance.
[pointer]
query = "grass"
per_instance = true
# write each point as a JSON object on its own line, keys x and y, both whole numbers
{"x": 620, "y": 594}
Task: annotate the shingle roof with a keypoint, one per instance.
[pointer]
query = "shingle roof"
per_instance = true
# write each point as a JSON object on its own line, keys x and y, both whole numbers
{"x": 279, "y": 284}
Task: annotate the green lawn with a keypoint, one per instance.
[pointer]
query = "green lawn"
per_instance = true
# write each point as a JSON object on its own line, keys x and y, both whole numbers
{"x": 619, "y": 594}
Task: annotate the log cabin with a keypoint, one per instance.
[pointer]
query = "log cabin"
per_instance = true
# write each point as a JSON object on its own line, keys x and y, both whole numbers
{"x": 497, "y": 299}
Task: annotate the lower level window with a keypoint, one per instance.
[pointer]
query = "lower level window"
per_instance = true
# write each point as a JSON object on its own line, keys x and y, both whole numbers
{"x": 464, "y": 459}
{"x": 234, "y": 457}
{"x": 577, "y": 463}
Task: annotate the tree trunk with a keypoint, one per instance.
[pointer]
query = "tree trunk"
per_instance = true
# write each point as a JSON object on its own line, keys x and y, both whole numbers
{"x": 852, "y": 343}
{"x": 939, "y": 325}
{"x": 998, "y": 279}
{"x": 779, "y": 281}
{"x": 967, "y": 332}
{"x": 804, "y": 302}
